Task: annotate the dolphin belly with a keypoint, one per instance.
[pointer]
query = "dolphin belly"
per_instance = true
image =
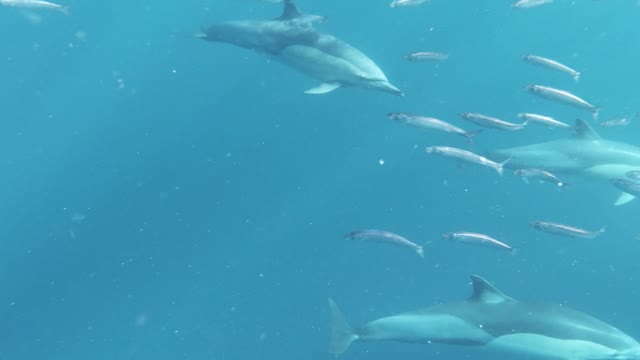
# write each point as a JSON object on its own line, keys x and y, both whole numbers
{"x": 424, "y": 328}
{"x": 543, "y": 347}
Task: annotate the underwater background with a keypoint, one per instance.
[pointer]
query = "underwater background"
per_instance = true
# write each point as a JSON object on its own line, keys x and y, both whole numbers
{"x": 169, "y": 198}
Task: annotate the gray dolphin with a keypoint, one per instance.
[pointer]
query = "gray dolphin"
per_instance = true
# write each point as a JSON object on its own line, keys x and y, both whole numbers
{"x": 318, "y": 55}
{"x": 492, "y": 320}
{"x": 583, "y": 154}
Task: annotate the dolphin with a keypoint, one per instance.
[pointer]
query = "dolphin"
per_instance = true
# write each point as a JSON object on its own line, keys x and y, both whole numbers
{"x": 583, "y": 154}
{"x": 292, "y": 40}
{"x": 494, "y": 321}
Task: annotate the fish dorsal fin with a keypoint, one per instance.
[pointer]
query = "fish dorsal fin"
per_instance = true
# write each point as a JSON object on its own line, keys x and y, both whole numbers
{"x": 290, "y": 11}
{"x": 584, "y": 131}
{"x": 484, "y": 292}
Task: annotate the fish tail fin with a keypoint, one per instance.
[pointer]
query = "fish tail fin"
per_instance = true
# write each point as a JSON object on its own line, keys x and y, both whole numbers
{"x": 342, "y": 334}
{"x": 564, "y": 185}
{"x": 514, "y": 251}
{"x": 470, "y": 134}
{"x": 576, "y": 77}
{"x": 602, "y": 229}
{"x": 596, "y": 113}
{"x": 64, "y": 10}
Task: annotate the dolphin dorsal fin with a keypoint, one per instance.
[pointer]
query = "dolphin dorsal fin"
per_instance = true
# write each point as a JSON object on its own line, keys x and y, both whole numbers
{"x": 290, "y": 11}
{"x": 483, "y": 291}
{"x": 584, "y": 131}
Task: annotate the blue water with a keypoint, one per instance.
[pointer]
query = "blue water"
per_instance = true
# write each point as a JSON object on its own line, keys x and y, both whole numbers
{"x": 168, "y": 198}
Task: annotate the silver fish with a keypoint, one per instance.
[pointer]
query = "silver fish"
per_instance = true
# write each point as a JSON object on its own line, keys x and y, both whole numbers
{"x": 491, "y": 122}
{"x": 525, "y": 4}
{"x": 540, "y": 174}
{"x": 564, "y": 97}
{"x": 35, "y": 4}
{"x": 541, "y": 119}
{"x": 385, "y": 237}
{"x": 466, "y": 156}
{"x": 477, "y": 239}
{"x": 565, "y": 230}
{"x": 403, "y": 3}
{"x": 633, "y": 174}
{"x": 425, "y": 122}
{"x": 627, "y": 186}
{"x": 615, "y": 122}
{"x": 427, "y": 56}
{"x": 551, "y": 64}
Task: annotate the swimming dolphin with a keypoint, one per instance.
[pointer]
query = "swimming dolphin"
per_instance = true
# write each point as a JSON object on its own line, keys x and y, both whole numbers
{"x": 585, "y": 154}
{"x": 492, "y": 320}
{"x": 318, "y": 55}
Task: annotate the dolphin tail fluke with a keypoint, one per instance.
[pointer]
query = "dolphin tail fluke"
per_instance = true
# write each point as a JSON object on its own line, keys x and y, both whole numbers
{"x": 596, "y": 113}
{"x": 623, "y": 199}
{"x": 576, "y": 77}
{"x": 342, "y": 334}
{"x": 500, "y": 166}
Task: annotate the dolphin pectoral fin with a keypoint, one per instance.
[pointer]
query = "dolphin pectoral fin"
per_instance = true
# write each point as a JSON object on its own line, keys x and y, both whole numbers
{"x": 341, "y": 333}
{"x": 323, "y": 89}
{"x": 630, "y": 354}
{"x": 623, "y": 199}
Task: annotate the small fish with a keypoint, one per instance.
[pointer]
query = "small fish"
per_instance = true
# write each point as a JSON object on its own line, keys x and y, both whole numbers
{"x": 551, "y": 64}
{"x": 427, "y": 56}
{"x": 424, "y": 122}
{"x": 477, "y": 239}
{"x": 35, "y": 4}
{"x": 404, "y": 3}
{"x": 540, "y": 174}
{"x": 466, "y": 156}
{"x": 564, "y": 97}
{"x": 525, "y": 4}
{"x": 565, "y": 230}
{"x": 627, "y": 186}
{"x": 385, "y": 237}
{"x": 541, "y": 119}
{"x": 633, "y": 174}
{"x": 491, "y": 122}
{"x": 615, "y": 122}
